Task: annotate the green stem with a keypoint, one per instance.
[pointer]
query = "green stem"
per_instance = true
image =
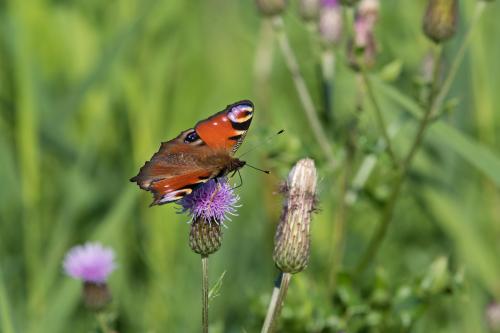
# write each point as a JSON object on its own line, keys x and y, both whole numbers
{"x": 379, "y": 116}
{"x": 276, "y": 303}
{"x": 302, "y": 90}
{"x": 103, "y": 323}
{"x": 434, "y": 107}
{"x": 204, "y": 293}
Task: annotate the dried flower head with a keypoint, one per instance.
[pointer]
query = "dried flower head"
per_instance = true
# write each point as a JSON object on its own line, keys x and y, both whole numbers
{"x": 493, "y": 316}
{"x": 212, "y": 201}
{"x": 90, "y": 262}
{"x": 291, "y": 243}
{"x": 271, "y": 7}
{"x": 440, "y": 20}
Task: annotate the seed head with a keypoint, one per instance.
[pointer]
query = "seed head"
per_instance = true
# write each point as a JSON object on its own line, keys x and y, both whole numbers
{"x": 291, "y": 243}
{"x": 440, "y": 20}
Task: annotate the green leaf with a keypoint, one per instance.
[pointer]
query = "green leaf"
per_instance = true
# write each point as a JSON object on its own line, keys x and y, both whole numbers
{"x": 469, "y": 149}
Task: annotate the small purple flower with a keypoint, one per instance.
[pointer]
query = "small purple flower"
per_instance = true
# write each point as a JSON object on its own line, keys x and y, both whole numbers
{"x": 212, "y": 201}
{"x": 90, "y": 262}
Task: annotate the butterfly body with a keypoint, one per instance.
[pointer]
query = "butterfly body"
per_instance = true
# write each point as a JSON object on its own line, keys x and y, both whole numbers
{"x": 197, "y": 155}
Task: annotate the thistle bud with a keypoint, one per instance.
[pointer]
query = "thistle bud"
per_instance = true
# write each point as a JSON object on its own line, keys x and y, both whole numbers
{"x": 291, "y": 243}
{"x": 330, "y": 21}
{"x": 205, "y": 237}
{"x": 271, "y": 7}
{"x": 440, "y": 20}
{"x": 309, "y": 9}
{"x": 96, "y": 295}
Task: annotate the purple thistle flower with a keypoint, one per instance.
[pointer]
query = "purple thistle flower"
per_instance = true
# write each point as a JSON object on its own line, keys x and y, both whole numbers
{"x": 90, "y": 262}
{"x": 212, "y": 201}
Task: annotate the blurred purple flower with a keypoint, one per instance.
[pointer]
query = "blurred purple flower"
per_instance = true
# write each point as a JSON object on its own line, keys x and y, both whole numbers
{"x": 90, "y": 262}
{"x": 212, "y": 201}
{"x": 330, "y": 3}
{"x": 330, "y": 21}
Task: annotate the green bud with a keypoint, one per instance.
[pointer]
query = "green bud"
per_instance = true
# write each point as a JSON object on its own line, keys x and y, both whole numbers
{"x": 96, "y": 295}
{"x": 271, "y": 7}
{"x": 440, "y": 20}
{"x": 309, "y": 9}
{"x": 205, "y": 237}
{"x": 291, "y": 243}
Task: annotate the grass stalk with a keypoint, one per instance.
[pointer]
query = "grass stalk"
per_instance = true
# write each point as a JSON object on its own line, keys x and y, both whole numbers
{"x": 302, "y": 90}
{"x": 378, "y": 115}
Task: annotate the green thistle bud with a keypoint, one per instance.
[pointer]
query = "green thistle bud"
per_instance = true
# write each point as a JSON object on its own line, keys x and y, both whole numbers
{"x": 309, "y": 9}
{"x": 205, "y": 237}
{"x": 96, "y": 295}
{"x": 291, "y": 243}
{"x": 271, "y": 7}
{"x": 440, "y": 20}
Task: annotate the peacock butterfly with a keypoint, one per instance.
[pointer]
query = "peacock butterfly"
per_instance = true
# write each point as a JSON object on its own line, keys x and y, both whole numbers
{"x": 197, "y": 155}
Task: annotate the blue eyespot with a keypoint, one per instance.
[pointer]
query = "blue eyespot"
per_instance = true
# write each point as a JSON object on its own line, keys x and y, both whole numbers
{"x": 191, "y": 137}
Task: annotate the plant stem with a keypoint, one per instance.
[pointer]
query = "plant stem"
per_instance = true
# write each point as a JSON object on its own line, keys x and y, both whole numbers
{"x": 434, "y": 106}
{"x": 204, "y": 293}
{"x": 327, "y": 83}
{"x": 379, "y": 116}
{"x": 103, "y": 323}
{"x": 302, "y": 90}
{"x": 276, "y": 303}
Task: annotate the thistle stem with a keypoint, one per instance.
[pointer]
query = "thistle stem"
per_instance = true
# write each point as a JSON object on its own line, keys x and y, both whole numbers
{"x": 302, "y": 90}
{"x": 103, "y": 323}
{"x": 204, "y": 293}
{"x": 276, "y": 303}
{"x": 434, "y": 106}
{"x": 379, "y": 116}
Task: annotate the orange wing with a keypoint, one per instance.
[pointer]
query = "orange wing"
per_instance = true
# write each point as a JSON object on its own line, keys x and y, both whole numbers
{"x": 193, "y": 157}
{"x": 228, "y": 128}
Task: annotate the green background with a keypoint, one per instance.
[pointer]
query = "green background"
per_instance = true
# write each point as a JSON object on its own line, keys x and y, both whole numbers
{"x": 88, "y": 90}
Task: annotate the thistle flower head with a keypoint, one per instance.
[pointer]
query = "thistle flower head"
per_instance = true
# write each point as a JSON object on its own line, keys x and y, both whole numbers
{"x": 212, "y": 201}
{"x": 330, "y": 21}
{"x": 291, "y": 243}
{"x": 441, "y": 19}
{"x": 90, "y": 262}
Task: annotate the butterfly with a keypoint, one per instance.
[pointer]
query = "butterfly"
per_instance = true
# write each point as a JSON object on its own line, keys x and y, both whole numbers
{"x": 197, "y": 155}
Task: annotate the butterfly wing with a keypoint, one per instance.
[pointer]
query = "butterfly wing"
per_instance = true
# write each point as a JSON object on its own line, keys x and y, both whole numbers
{"x": 228, "y": 128}
{"x": 194, "y": 156}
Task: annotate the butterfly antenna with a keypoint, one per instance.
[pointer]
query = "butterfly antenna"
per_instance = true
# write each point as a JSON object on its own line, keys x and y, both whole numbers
{"x": 258, "y": 169}
{"x": 266, "y": 140}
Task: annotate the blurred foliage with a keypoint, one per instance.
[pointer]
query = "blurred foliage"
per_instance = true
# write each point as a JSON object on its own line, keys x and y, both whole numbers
{"x": 88, "y": 90}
